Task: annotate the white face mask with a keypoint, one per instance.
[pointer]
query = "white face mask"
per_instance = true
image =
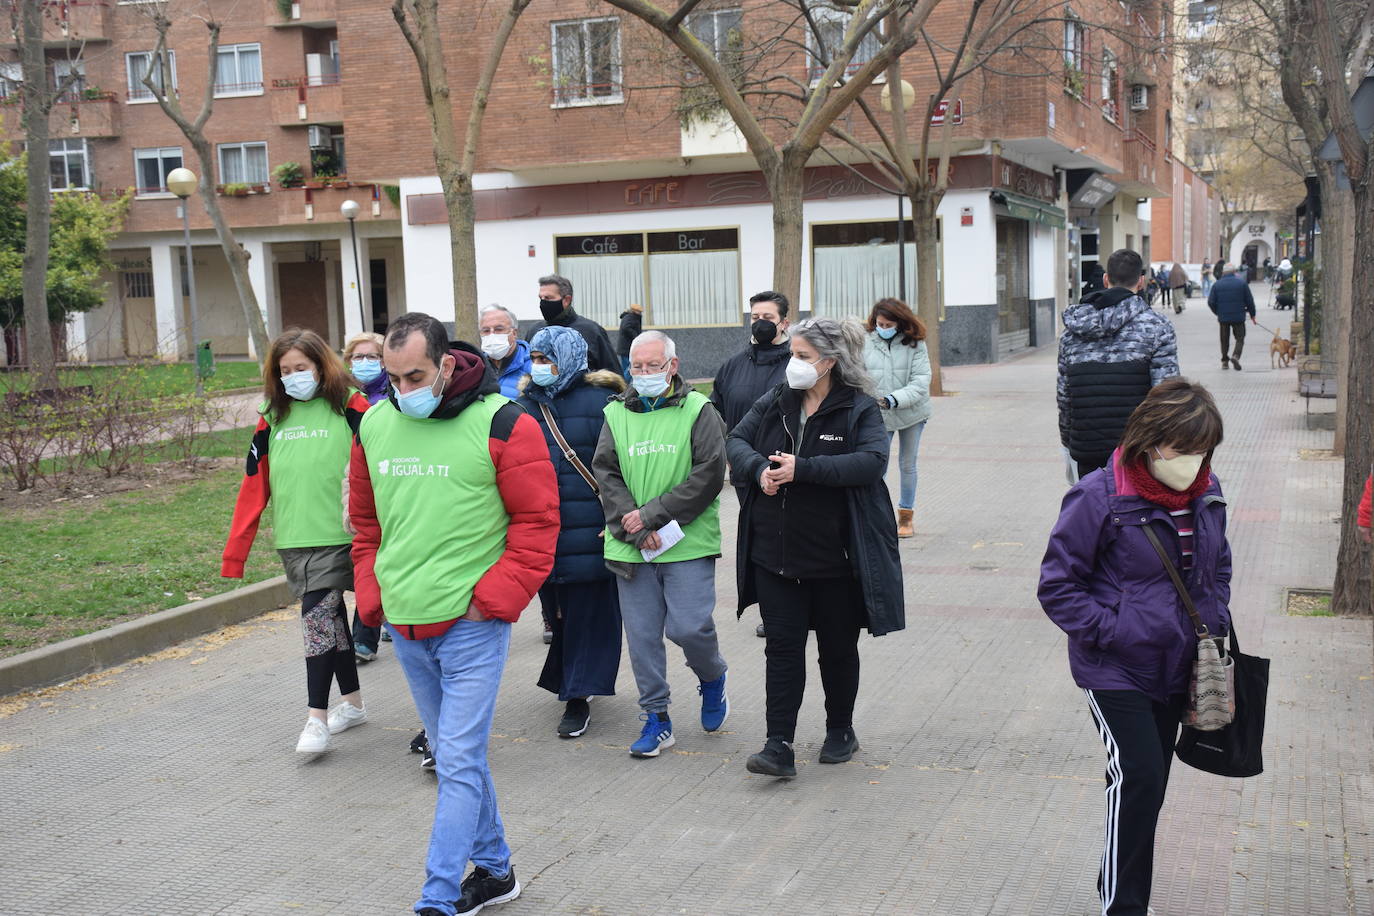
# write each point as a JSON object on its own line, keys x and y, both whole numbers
{"x": 496, "y": 346}
{"x": 1175, "y": 473}
{"x": 801, "y": 374}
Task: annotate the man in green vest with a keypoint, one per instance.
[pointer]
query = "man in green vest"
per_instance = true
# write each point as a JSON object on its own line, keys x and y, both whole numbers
{"x": 455, "y": 505}
{"x": 660, "y": 463}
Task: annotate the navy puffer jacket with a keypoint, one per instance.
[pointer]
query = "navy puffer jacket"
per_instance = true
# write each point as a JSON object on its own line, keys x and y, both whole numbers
{"x": 577, "y": 410}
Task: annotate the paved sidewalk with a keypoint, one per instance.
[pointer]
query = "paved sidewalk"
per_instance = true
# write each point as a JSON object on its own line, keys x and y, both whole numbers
{"x": 171, "y": 786}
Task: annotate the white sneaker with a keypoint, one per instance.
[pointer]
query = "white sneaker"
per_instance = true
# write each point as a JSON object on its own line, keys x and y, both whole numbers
{"x": 345, "y": 716}
{"x": 314, "y": 737}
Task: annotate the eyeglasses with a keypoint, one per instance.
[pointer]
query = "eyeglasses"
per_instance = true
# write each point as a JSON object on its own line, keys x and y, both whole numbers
{"x": 500, "y": 330}
{"x": 370, "y": 357}
{"x": 641, "y": 367}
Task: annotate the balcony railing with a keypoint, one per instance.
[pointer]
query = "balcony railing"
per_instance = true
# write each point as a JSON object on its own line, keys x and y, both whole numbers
{"x": 70, "y": 22}
{"x": 313, "y": 99}
{"x": 90, "y": 113}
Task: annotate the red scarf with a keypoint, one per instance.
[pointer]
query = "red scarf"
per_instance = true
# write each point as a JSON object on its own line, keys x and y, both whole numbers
{"x": 1147, "y": 486}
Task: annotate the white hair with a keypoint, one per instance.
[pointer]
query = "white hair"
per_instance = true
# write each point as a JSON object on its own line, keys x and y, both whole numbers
{"x": 669, "y": 348}
{"x": 514, "y": 322}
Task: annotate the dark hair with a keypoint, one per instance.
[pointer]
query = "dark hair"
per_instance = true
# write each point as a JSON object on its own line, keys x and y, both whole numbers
{"x": 912, "y": 329}
{"x": 563, "y": 283}
{"x": 436, "y": 338}
{"x": 1123, "y": 267}
{"x": 334, "y": 378}
{"x": 769, "y": 295}
{"x": 1176, "y": 413}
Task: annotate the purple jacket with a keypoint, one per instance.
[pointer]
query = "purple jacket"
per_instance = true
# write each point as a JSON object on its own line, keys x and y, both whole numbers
{"x": 1103, "y": 584}
{"x": 377, "y": 389}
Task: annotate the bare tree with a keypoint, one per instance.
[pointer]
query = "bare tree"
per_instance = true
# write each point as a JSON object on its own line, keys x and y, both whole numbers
{"x": 158, "y": 81}
{"x": 419, "y": 23}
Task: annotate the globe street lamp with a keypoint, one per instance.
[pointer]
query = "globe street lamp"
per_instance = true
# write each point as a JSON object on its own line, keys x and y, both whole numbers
{"x": 349, "y": 209}
{"x": 183, "y": 183}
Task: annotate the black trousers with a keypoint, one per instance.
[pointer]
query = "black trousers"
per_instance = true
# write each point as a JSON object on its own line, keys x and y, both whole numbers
{"x": 364, "y": 635}
{"x": 1139, "y": 735}
{"x": 791, "y": 608}
{"x": 335, "y": 664}
{"x": 1229, "y": 328}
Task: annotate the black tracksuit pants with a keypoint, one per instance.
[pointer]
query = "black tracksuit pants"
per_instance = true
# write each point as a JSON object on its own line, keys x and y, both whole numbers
{"x": 1229, "y": 328}
{"x": 790, "y": 609}
{"x": 1139, "y": 735}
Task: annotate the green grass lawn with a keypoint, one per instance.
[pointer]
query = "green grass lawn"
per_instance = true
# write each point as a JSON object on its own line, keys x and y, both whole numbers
{"x": 158, "y": 379}
{"x": 72, "y": 567}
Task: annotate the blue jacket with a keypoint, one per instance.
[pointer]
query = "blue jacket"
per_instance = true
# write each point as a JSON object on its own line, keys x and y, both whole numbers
{"x": 518, "y": 367}
{"x": 1230, "y": 299}
{"x": 577, "y": 410}
{"x": 1103, "y": 584}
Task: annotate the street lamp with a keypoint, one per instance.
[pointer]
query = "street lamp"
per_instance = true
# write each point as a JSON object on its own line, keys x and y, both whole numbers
{"x": 349, "y": 209}
{"x": 183, "y": 183}
{"x": 908, "y": 99}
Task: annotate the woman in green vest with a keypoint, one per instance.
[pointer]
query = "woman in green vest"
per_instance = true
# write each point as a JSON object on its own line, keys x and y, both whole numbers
{"x": 307, "y": 427}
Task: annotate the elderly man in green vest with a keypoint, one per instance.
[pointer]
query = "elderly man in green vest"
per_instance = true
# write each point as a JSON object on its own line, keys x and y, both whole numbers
{"x": 660, "y": 463}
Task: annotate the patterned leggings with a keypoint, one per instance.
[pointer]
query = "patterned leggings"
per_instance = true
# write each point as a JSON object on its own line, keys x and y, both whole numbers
{"x": 328, "y": 646}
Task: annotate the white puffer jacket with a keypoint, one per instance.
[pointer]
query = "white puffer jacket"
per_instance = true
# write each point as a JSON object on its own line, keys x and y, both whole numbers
{"x": 903, "y": 373}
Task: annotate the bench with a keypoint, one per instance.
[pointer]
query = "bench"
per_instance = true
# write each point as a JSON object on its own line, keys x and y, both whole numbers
{"x": 1316, "y": 379}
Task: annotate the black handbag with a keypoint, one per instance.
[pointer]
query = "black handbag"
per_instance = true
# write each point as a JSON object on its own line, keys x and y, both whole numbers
{"x": 1234, "y": 750}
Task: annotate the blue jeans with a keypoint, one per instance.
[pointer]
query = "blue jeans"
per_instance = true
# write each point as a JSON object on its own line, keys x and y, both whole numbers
{"x": 908, "y": 441}
{"x": 453, "y": 679}
{"x": 1206, "y": 285}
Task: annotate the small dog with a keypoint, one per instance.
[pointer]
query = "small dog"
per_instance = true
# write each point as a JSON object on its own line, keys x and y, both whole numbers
{"x": 1280, "y": 349}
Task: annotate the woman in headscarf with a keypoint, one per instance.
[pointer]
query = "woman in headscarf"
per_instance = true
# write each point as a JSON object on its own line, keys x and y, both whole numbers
{"x": 567, "y": 400}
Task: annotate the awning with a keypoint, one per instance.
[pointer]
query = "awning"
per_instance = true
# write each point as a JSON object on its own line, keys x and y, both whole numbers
{"x": 1018, "y": 206}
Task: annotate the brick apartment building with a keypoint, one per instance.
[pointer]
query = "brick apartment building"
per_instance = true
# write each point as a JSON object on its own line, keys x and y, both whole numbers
{"x": 588, "y": 170}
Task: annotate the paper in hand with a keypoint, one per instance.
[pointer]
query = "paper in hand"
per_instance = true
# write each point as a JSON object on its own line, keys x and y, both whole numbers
{"x": 668, "y": 535}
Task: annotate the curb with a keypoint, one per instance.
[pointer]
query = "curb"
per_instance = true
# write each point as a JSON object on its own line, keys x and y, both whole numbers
{"x": 70, "y": 658}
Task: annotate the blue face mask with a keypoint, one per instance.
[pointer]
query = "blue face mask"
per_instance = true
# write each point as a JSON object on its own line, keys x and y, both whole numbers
{"x": 652, "y": 385}
{"x": 421, "y": 402}
{"x": 543, "y": 375}
{"x": 366, "y": 370}
{"x": 300, "y": 385}
{"x": 887, "y": 333}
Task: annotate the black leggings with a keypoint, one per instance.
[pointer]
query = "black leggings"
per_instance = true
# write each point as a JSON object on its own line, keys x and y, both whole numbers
{"x": 790, "y": 608}
{"x": 333, "y": 664}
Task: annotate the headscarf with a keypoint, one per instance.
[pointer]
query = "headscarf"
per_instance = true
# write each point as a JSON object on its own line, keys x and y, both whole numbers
{"x": 566, "y": 349}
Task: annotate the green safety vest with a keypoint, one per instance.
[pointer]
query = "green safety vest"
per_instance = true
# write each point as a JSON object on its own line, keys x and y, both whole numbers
{"x": 307, "y": 460}
{"x": 442, "y": 517}
{"x": 655, "y": 453}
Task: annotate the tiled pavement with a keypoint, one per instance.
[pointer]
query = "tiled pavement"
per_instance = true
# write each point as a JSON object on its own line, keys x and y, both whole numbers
{"x": 170, "y": 785}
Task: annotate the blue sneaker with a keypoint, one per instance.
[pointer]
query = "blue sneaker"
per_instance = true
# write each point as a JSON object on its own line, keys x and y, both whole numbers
{"x": 657, "y": 734}
{"x": 715, "y": 705}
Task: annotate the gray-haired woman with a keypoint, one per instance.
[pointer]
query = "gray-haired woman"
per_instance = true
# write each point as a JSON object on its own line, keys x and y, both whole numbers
{"x": 817, "y": 537}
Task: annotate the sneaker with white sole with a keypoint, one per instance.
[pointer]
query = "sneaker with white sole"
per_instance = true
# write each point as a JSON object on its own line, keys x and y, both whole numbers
{"x": 314, "y": 737}
{"x": 656, "y": 735}
{"x": 345, "y": 716}
{"x": 482, "y": 889}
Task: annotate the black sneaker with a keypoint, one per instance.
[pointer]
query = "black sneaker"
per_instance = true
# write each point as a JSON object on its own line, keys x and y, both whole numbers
{"x": 575, "y": 718}
{"x": 1235, "y": 364}
{"x": 419, "y": 744}
{"x": 776, "y": 759}
{"x": 427, "y": 761}
{"x": 430, "y": 911}
{"x": 482, "y": 889}
{"x": 840, "y": 744}
{"x": 548, "y": 635}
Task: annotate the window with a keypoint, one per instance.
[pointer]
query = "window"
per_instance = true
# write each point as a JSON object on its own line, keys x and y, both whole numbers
{"x": 68, "y": 165}
{"x": 151, "y": 167}
{"x": 828, "y": 41}
{"x": 1110, "y": 102}
{"x": 243, "y": 163}
{"x": 685, "y": 278}
{"x": 238, "y": 71}
{"x": 854, "y": 265}
{"x": 137, "y": 64}
{"x": 76, "y": 71}
{"x": 11, "y": 78}
{"x": 1075, "y": 55}
{"x": 138, "y": 284}
{"x": 719, "y": 30}
{"x": 586, "y": 62}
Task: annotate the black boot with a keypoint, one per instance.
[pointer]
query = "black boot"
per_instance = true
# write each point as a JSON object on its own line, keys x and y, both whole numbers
{"x": 776, "y": 759}
{"x": 840, "y": 744}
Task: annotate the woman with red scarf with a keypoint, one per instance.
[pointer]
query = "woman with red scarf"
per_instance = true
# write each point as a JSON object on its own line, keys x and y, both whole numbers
{"x": 1131, "y": 643}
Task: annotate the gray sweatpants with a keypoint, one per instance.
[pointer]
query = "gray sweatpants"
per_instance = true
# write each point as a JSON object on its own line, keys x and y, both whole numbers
{"x": 674, "y": 600}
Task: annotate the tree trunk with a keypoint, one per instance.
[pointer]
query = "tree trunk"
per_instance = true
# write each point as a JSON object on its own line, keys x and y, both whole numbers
{"x": 1337, "y": 251}
{"x": 924, "y": 206}
{"x": 1354, "y": 586}
{"x": 37, "y": 103}
{"x": 786, "y": 182}
{"x": 462, "y": 235}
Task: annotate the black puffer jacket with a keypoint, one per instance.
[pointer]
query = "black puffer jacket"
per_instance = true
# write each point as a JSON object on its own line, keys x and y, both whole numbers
{"x": 600, "y": 353}
{"x": 836, "y": 513}
{"x": 747, "y": 376}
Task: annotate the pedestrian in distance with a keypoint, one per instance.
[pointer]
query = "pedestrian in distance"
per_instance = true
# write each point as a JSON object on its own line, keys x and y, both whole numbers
{"x": 1231, "y": 300}
{"x": 1178, "y": 287}
{"x": 297, "y": 460}
{"x": 817, "y": 542}
{"x": 1165, "y": 290}
{"x": 568, "y": 402}
{"x": 1114, "y": 349}
{"x": 362, "y": 353}
{"x": 896, "y": 357}
{"x": 555, "y": 304}
{"x": 660, "y": 463}
{"x": 1206, "y": 277}
{"x": 501, "y": 345}
{"x": 1096, "y": 281}
{"x": 1131, "y": 642}
{"x": 456, "y": 510}
{"x": 631, "y": 323}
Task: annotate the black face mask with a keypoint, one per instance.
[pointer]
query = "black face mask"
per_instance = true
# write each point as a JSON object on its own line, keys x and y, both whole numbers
{"x": 550, "y": 309}
{"x": 764, "y": 331}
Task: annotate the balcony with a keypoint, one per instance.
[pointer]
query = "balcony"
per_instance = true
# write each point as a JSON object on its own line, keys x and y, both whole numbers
{"x": 71, "y": 23}
{"x": 300, "y": 100}
{"x": 309, "y": 13}
{"x": 93, "y": 115}
{"x": 1140, "y": 168}
{"x": 321, "y": 205}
